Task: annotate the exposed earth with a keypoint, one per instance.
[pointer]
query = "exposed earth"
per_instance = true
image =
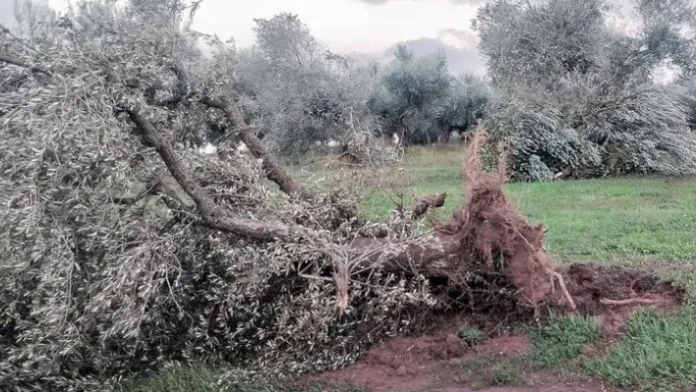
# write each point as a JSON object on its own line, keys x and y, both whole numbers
{"x": 441, "y": 361}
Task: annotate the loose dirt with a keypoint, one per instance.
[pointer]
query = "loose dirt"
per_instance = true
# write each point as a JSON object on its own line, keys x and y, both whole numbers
{"x": 416, "y": 363}
{"x": 591, "y": 285}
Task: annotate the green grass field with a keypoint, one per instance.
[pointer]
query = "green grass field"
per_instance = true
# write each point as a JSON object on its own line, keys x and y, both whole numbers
{"x": 645, "y": 221}
{"x": 613, "y": 220}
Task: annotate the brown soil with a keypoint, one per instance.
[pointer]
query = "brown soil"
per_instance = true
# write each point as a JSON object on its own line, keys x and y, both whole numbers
{"x": 415, "y": 363}
{"x": 433, "y": 362}
{"x": 590, "y": 284}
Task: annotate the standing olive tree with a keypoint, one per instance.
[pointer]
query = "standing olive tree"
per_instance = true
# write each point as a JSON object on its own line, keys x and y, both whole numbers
{"x": 578, "y": 97}
{"x": 298, "y": 92}
{"x": 410, "y": 86}
{"x": 460, "y": 110}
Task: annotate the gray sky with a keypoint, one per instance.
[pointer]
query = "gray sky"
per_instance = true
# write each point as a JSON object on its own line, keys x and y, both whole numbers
{"x": 368, "y": 29}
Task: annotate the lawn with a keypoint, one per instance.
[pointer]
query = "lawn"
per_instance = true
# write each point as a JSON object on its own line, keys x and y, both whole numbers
{"x": 601, "y": 220}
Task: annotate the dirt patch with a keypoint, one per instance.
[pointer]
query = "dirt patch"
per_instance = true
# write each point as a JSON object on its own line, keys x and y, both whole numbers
{"x": 415, "y": 363}
{"x": 547, "y": 385}
{"x": 614, "y": 293}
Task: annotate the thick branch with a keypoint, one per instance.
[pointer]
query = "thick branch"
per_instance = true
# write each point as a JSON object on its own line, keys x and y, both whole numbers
{"x": 274, "y": 170}
{"x": 213, "y": 215}
{"x": 441, "y": 259}
{"x": 14, "y": 61}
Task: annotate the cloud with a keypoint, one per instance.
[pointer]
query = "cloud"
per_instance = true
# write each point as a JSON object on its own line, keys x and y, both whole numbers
{"x": 462, "y": 56}
{"x": 459, "y": 47}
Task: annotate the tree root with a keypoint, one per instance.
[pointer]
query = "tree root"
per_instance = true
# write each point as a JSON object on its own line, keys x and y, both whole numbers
{"x": 630, "y": 301}
{"x": 564, "y": 289}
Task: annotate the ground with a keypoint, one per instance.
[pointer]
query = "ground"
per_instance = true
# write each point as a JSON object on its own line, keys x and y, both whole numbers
{"x": 615, "y": 236}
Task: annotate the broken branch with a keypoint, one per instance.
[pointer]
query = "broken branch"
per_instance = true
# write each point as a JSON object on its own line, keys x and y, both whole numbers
{"x": 427, "y": 203}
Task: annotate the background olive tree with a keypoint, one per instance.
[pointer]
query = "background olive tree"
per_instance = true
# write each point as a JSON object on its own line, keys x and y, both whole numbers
{"x": 579, "y": 97}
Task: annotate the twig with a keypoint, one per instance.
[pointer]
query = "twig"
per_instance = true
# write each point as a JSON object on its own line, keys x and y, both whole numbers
{"x": 21, "y": 41}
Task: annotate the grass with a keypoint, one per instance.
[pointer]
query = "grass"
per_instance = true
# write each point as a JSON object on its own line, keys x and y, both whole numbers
{"x": 553, "y": 346}
{"x": 602, "y": 220}
{"x": 491, "y": 370}
{"x": 194, "y": 378}
{"x": 562, "y": 340}
{"x": 203, "y": 378}
{"x": 657, "y": 352}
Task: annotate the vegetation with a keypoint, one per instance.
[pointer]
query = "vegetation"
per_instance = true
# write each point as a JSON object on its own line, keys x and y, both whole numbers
{"x": 656, "y": 351}
{"x": 578, "y": 97}
{"x": 176, "y": 378}
{"x": 562, "y": 339}
{"x": 625, "y": 220}
{"x": 470, "y": 335}
{"x": 131, "y": 254}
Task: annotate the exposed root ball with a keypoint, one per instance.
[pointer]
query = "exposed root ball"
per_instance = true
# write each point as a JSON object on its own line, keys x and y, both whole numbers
{"x": 496, "y": 237}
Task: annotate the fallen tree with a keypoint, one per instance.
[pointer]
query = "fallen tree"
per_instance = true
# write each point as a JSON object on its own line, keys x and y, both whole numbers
{"x": 108, "y": 272}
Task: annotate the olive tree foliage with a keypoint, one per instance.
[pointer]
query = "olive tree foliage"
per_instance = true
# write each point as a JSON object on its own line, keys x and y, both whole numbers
{"x": 300, "y": 94}
{"x": 109, "y": 268}
{"x": 577, "y": 96}
{"x": 409, "y": 88}
{"x": 460, "y": 110}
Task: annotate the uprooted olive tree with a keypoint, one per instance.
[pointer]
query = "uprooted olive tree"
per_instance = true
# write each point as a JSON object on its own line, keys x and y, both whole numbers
{"x": 123, "y": 248}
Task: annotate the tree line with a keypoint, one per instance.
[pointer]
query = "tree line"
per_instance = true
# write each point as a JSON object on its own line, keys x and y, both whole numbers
{"x": 566, "y": 91}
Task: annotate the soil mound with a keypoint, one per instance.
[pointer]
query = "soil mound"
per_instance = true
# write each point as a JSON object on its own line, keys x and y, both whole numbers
{"x": 614, "y": 292}
{"x": 596, "y": 287}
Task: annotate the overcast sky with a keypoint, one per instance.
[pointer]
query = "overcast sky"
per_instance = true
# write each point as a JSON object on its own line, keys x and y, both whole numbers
{"x": 365, "y": 28}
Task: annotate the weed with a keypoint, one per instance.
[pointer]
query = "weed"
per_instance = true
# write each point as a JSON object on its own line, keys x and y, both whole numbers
{"x": 656, "y": 351}
{"x": 506, "y": 375}
{"x": 470, "y": 335}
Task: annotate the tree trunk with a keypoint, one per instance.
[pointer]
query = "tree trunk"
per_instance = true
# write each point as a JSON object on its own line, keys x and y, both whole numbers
{"x": 404, "y": 136}
{"x": 445, "y": 134}
{"x": 486, "y": 228}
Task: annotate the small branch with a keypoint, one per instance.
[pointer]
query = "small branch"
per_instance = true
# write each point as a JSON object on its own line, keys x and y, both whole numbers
{"x": 274, "y": 170}
{"x": 630, "y": 301}
{"x": 20, "y": 63}
{"x": 21, "y": 41}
